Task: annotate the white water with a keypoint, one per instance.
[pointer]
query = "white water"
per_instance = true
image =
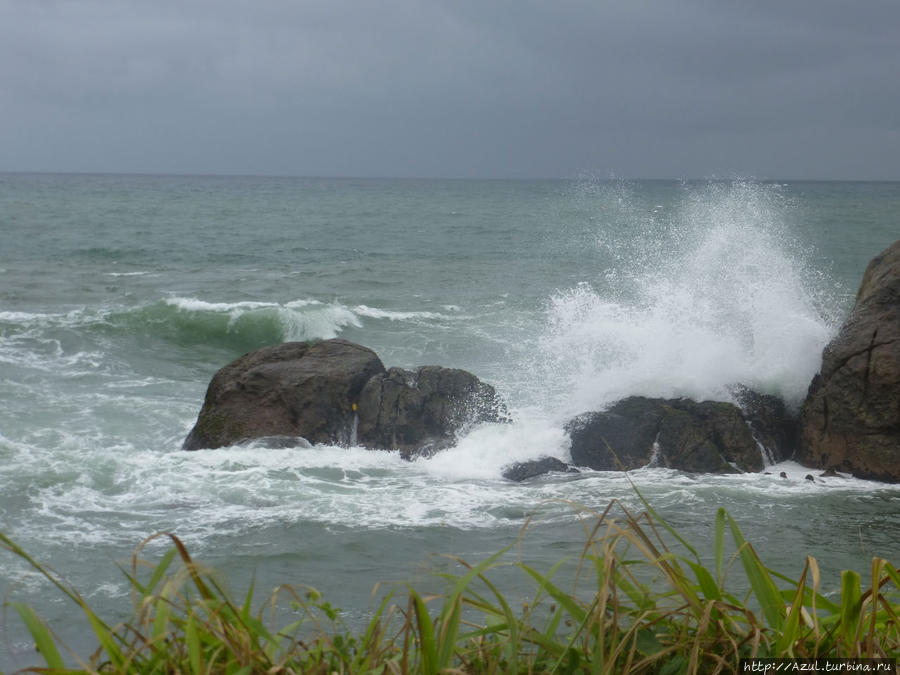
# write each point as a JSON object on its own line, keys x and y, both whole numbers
{"x": 709, "y": 296}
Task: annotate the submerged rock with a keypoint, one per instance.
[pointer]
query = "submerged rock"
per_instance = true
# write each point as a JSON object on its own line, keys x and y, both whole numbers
{"x": 339, "y": 393}
{"x": 706, "y": 437}
{"x": 536, "y": 467}
{"x": 850, "y": 420}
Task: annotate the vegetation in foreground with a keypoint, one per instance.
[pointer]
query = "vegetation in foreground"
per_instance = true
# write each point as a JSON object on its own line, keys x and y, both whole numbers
{"x": 640, "y": 606}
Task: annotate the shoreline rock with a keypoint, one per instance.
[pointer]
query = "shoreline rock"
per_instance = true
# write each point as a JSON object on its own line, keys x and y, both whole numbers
{"x": 303, "y": 389}
{"x": 421, "y": 411}
{"x": 772, "y": 424}
{"x": 637, "y": 432}
{"x": 850, "y": 421}
{"x": 337, "y": 392}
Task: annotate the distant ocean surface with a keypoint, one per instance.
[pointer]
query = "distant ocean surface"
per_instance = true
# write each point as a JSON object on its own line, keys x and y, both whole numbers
{"x": 120, "y": 296}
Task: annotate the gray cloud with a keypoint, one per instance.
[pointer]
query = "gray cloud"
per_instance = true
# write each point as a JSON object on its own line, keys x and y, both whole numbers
{"x": 452, "y": 88}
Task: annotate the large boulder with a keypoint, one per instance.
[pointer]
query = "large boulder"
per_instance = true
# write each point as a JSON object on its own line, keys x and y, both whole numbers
{"x": 851, "y": 418}
{"x": 421, "y": 411}
{"x": 305, "y": 389}
{"x": 705, "y": 437}
{"x": 338, "y": 393}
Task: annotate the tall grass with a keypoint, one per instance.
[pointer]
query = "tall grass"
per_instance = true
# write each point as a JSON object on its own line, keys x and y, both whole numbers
{"x": 643, "y": 601}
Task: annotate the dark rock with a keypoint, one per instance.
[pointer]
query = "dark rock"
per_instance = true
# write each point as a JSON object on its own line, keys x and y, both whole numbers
{"x": 809, "y": 476}
{"x": 336, "y": 392}
{"x": 850, "y": 420}
{"x": 303, "y": 389}
{"x": 420, "y": 411}
{"x": 783, "y": 474}
{"x": 830, "y": 473}
{"x": 536, "y": 467}
{"x": 619, "y": 438}
{"x": 706, "y": 437}
{"x": 772, "y": 423}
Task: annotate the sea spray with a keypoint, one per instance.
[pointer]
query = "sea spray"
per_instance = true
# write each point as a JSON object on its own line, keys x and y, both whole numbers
{"x": 694, "y": 299}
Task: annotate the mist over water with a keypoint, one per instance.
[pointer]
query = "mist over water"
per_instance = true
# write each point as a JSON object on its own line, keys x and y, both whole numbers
{"x": 564, "y": 295}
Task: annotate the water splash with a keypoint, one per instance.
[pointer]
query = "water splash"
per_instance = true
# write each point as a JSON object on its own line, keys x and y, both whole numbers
{"x": 693, "y": 300}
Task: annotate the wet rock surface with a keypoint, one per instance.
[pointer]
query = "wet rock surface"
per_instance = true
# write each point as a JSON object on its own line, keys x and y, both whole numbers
{"x": 302, "y": 389}
{"x": 537, "y": 467}
{"x": 338, "y": 393}
{"x": 704, "y": 437}
{"x": 850, "y": 420}
{"x": 773, "y": 425}
{"x": 421, "y": 411}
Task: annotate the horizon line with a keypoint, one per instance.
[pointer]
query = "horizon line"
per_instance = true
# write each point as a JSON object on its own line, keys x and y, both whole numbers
{"x": 585, "y": 175}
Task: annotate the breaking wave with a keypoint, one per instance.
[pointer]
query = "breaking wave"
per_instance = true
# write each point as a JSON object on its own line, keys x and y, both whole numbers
{"x": 237, "y": 326}
{"x": 689, "y": 302}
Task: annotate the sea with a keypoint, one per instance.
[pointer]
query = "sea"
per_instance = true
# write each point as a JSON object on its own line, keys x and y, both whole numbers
{"x": 121, "y": 296}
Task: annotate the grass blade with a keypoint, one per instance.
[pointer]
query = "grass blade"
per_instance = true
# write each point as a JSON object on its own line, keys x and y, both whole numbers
{"x": 851, "y": 604}
{"x": 43, "y": 640}
{"x": 764, "y": 589}
{"x": 195, "y": 652}
{"x": 426, "y": 634}
{"x": 790, "y": 630}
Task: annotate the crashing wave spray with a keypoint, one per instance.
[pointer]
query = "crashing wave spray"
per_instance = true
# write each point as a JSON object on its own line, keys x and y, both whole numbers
{"x": 696, "y": 298}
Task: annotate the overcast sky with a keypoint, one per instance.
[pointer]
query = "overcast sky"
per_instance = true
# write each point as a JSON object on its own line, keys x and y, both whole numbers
{"x": 455, "y": 88}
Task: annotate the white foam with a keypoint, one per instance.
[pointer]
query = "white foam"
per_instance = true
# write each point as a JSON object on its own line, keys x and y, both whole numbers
{"x": 322, "y": 321}
{"x": 717, "y": 296}
{"x": 392, "y": 315}
{"x": 195, "y": 305}
{"x": 305, "y": 318}
{"x": 304, "y": 302}
{"x": 487, "y": 449}
{"x": 24, "y": 317}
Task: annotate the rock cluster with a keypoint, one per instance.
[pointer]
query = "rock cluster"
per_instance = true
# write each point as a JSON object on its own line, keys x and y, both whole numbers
{"x": 338, "y": 392}
{"x": 850, "y": 421}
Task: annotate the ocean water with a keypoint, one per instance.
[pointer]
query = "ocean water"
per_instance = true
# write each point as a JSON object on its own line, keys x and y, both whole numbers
{"x": 120, "y": 296}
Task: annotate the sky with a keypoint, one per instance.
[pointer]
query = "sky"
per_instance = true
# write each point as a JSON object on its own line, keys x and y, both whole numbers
{"x": 453, "y": 88}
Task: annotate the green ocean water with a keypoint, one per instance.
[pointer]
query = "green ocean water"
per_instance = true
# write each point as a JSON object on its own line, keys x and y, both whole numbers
{"x": 120, "y": 296}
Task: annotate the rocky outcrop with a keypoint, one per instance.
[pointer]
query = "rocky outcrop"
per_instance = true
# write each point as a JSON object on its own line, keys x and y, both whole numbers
{"x": 339, "y": 393}
{"x": 851, "y": 418}
{"x": 706, "y": 437}
{"x": 303, "y": 389}
{"x": 420, "y": 411}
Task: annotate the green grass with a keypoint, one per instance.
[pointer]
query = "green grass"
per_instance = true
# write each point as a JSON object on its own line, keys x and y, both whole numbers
{"x": 642, "y": 602}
